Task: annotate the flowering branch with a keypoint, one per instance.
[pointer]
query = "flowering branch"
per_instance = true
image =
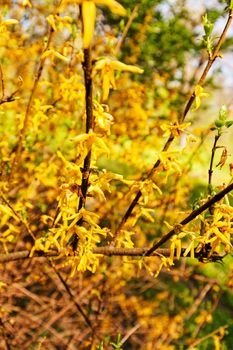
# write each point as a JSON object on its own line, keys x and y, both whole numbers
{"x": 190, "y": 217}
{"x": 87, "y": 68}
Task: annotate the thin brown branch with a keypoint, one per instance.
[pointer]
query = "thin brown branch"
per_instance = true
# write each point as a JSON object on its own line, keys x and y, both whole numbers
{"x": 105, "y": 251}
{"x": 128, "y": 25}
{"x": 199, "y": 341}
{"x": 72, "y": 297}
{"x": 24, "y": 223}
{"x": 191, "y": 217}
{"x": 108, "y": 251}
{"x": 210, "y": 171}
{"x": 87, "y": 67}
{"x": 2, "y": 83}
{"x": 181, "y": 118}
{"x": 130, "y": 332}
{"x": 198, "y": 300}
{"x": 9, "y": 98}
{"x": 4, "y": 335}
{"x": 204, "y": 321}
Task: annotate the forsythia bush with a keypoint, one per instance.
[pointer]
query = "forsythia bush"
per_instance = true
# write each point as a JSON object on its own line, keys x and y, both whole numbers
{"x": 110, "y": 236}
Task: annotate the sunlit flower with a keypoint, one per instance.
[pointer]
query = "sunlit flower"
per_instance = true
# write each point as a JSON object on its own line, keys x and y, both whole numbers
{"x": 199, "y": 93}
{"x": 89, "y": 14}
{"x": 174, "y": 129}
{"x": 107, "y": 67}
{"x": 5, "y": 23}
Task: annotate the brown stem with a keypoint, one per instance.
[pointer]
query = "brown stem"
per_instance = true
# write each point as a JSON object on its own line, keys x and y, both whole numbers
{"x": 210, "y": 171}
{"x": 72, "y": 297}
{"x": 4, "y": 335}
{"x": 2, "y": 83}
{"x": 201, "y": 340}
{"x": 5, "y": 99}
{"x": 24, "y": 223}
{"x": 9, "y": 98}
{"x": 87, "y": 68}
{"x": 190, "y": 217}
{"x": 204, "y": 321}
{"x": 106, "y": 251}
{"x": 181, "y": 118}
{"x": 130, "y": 20}
{"x": 198, "y": 300}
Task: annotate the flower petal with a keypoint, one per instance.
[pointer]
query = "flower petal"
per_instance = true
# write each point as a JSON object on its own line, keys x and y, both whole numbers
{"x": 105, "y": 86}
{"x": 10, "y": 21}
{"x": 88, "y": 13}
{"x": 126, "y": 67}
{"x": 114, "y": 6}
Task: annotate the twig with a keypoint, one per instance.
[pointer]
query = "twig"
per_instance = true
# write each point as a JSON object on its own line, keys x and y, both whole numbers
{"x": 106, "y": 251}
{"x": 210, "y": 171}
{"x": 181, "y": 118}
{"x": 202, "y": 324}
{"x": 2, "y": 83}
{"x": 130, "y": 332}
{"x": 87, "y": 67}
{"x": 190, "y": 217}
{"x": 72, "y": 297}
{"x": 5, "y": 335}
{"x": 198, "y": 300}
{"x": 39, "y": 323}
{"x": 198, "y": 341}
{"x": 9, "y": 98}
{"x": 24, "y": 223}
{"x": 130, "y": 20}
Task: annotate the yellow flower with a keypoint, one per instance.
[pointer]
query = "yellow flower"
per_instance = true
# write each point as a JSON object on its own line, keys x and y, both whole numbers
{"x": 27, "y": 3}
{"x": 174, "y": 129}
{"x": 169, "y": 161}
{"x": 103, "y": 120}
{"x": 89, "y": 14}
{"x": 199, "y": 93}
{"x": 165, "y": 262}
{"x": 52, "y": 53}
{"x": 58, "y": 22}
{"x": 175, "y": 245}
{"x": 5, "y": 23}
{"x": 107, "y": 68}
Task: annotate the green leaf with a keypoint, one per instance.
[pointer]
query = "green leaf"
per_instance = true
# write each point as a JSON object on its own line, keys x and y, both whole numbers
{"x": 24, "y": 214}
{"x": 219, "y": 123}
{"x": 229, "y": 123}
{"x": 208, "y": 26}
{"x": 122, "y": 24}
